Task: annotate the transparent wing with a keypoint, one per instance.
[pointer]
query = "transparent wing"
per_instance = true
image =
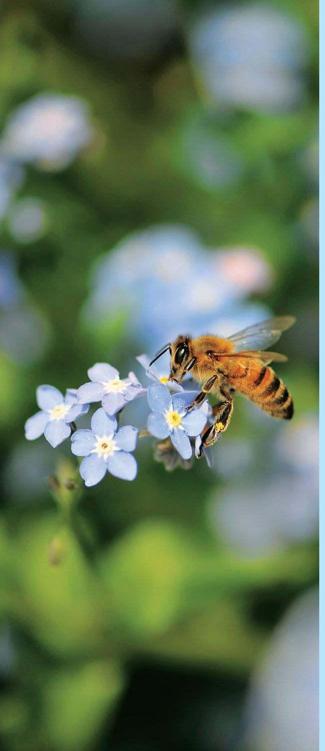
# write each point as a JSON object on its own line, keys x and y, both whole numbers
{"x": 262, "y": 335}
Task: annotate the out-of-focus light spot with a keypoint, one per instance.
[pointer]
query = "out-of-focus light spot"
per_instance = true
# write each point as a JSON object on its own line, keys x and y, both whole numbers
{"x": 250, "y": 56}
{"x": 48, "y": 131}
{"x": 28, "y": 220}
{"x": 282, "y": 706}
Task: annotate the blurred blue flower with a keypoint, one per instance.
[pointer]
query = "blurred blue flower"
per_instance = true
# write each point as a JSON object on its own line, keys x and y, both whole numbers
{"x": 169, "y": 417}
{"x": 250, "y": 56}
{"x": 282, "y": 712}
{"x": 48, "y": 130}
{"x": 56, "y": 415}
{"x": 106, "y": 386}
{"x": 27, "y": 220}
{"x": 11, "y": 290}
{"x": 105, "y": 448}
{"x": 11, "y": 178}
{"x": 159, "y": 371}
{"x": 184, "y": 287}
{"x": 253, "y": 515}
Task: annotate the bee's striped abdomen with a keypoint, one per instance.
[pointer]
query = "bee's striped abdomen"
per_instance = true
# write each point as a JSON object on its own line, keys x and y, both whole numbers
{"x": 266, "y": 389}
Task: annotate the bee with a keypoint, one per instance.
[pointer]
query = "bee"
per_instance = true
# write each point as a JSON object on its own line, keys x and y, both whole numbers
{"x": 223, "y": 366}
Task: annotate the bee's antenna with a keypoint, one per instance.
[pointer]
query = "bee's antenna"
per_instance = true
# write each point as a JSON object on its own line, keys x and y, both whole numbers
{"x": 165, "y": 348}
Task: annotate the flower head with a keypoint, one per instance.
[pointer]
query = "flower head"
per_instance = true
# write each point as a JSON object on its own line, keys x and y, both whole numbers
{"x": 57, "y": 412}
{"x": 159, "y": 372}
{"x": 106, "y": 386}
{"x": 169, "y": 417}
{"x": 105, "y": 448}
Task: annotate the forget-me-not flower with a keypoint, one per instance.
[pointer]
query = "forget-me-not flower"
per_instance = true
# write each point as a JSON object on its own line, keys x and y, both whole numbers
{"x": 57, "y": 412}
{"x": 105, "y": 448}
{"x": 159, "y": 371}
{"x": 106, "y": 386}
{"x": 169, "y": 417}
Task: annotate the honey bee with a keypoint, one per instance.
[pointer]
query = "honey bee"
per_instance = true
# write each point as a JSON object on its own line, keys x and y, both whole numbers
{"x": 225, "y": 365}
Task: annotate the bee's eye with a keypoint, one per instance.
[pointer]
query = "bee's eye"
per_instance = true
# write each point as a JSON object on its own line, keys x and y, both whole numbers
{"x": 181, "y": 353}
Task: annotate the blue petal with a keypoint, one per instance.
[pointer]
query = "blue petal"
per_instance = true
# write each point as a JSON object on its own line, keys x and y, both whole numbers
{"x": 71, "y": 396}
{"x": 122, "y": 465}
{"x": 102, "y": 372}
{"x": 75, "y": 411}
{"x": 159, "y": 398}
{"x": 112, "y": 403}
{"x": 194, "y": 422}
{"x": 35, "y": 425}
{"x": 90, "y": 392}
{"x": 182, "y": 443}
{"x": 183, "y": 400}
{"x": 157, "y": 425}
{"x": 101, "y": 424}
{"x": 126, "y": 438}
{"x": 82, "y": 442}
{"x": 92, "y": 469}
{"x": 56, "y": 432}
{"x": 48, "y": 396}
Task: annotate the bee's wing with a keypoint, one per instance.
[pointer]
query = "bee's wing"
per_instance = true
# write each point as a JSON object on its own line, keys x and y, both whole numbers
{"x": 262, "y": 335}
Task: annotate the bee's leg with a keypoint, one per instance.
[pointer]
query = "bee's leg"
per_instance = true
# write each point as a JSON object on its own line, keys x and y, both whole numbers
{"x": 201, "y": 397}
{"x": 222, "y": 414}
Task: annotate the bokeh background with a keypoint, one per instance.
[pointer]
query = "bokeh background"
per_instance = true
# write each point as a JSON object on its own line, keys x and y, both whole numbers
{"x": 158, "y": 175}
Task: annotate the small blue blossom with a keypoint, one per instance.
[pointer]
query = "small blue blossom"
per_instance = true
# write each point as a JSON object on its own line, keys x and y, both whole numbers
{"x": 169, "y": 417}
{"x": 159, "y": 371}
{"x": 56, "y": 415}
{"x": 107, "y": 386}
{"x": 105, "y": 448}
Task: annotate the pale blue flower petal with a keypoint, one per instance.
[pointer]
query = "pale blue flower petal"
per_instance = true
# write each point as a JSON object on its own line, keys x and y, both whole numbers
{"x": 101, "y": 424}
{"x": 102, "y": 372}
{"x": 90, "y": 392}
{"x": 92, "y": 469}
{"x": 75, "y": 411}
{"x": 157, "y": 425}
{"x": 122, "y": 465}
{"x": 35, "y": 426}
{"x": 194, "y": 422}
{"x": 56, "y": 432}
{"x": 126, "y": 438}
{"x": 48, "y": 396}
{"x": 82, "y": 442}
{"x": 71, "y": 396}
{"x": 183, "y": 400}
{"x": 182, "y": 443}
{"x": 112, "y": 403}
{"x": 159, "y": 398}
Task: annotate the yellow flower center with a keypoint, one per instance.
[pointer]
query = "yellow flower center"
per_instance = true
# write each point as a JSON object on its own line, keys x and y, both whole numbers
{"x": 164, "y": 379}
{"x": 173, "y": 418}
{"x": 105, "y": 446}
{"x": 59, "y": 411}
{"x": 115, "y": 385}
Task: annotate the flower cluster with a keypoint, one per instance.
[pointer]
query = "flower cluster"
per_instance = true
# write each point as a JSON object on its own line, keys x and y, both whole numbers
{"x": 107, "y": 446}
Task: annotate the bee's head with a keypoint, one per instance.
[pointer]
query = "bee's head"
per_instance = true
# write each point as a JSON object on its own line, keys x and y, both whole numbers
{"x": 181, "y": 357}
